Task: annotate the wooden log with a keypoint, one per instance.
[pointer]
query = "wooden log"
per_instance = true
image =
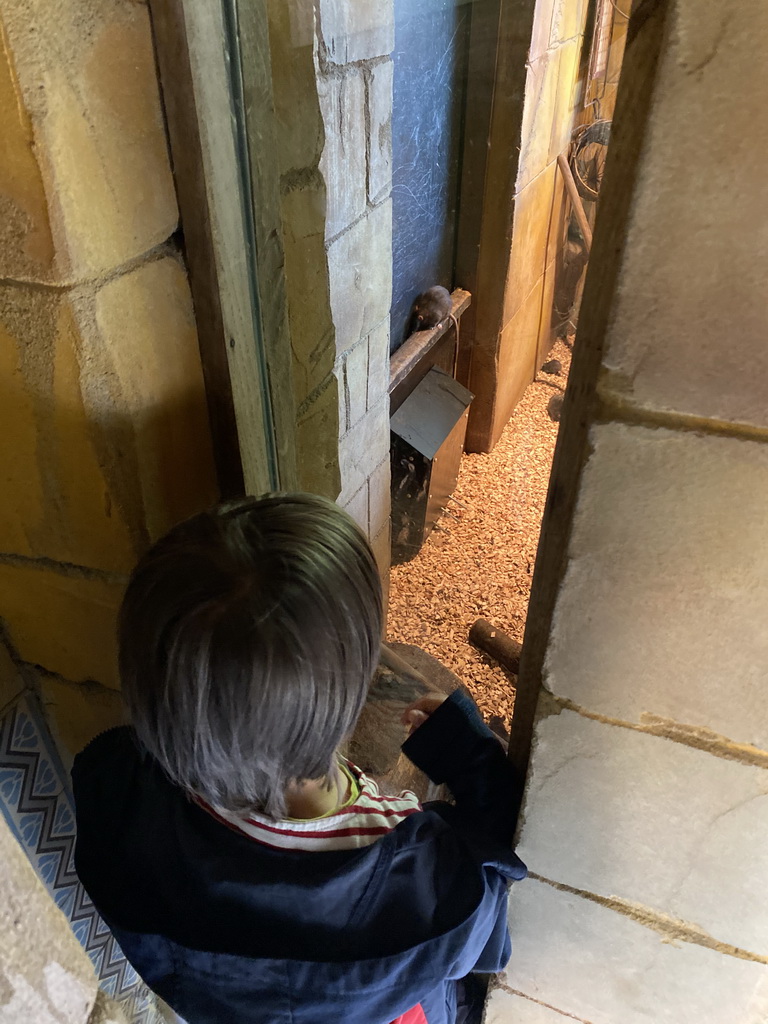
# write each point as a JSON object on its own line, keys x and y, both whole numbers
{"x": 498, "y": 644}
{"x": 578, "y": 206}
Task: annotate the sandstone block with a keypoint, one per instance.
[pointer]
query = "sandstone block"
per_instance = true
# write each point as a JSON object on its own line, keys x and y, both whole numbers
{"x": 566, "y": 98}
{"x": 67, "y": 624}
{"x": 357, "y": 507}
{"x": 380, "y": 131}
{"x": 317, "y": 450}
{"x": 144, "y": 373}
{"x": 26, "y": 244}
{"x": 380, "y": 499}
{"x": 687, "y": 333}
{"x": 362, "y": 449}
{"x": 530, "y": 237}
{"x": 291, "y": 37}
{"x": 356, "y": 382}
{"x": 104, "y": 436}
{"x": 76, "y": 712}
{"x": 654, "y": 822}
{"x": 567, "y": 20}
{"x": 58, "y": 500}
{"x": 357, "y": 31}
{"x": 360, "y": 268}
{"x": 92, "y": 120}
{"x": 343, "y": 162}
{"x": 538, "y": 117}
{"x": 307, "y": 289}
{"x": 382, "y": 549}
{"x": 45, "y": 974}
{"x": 542, "y": 28}
{"x": 378, "y": 364}
{"x": 668, "y": 554}
{"x": 594, "y": 964}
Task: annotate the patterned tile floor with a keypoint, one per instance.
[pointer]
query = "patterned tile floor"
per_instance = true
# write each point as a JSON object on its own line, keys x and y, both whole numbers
{"x": 37, "y": 805}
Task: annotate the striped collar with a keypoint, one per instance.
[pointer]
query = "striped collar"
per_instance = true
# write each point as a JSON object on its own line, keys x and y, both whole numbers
{"x": 358, "y": 824}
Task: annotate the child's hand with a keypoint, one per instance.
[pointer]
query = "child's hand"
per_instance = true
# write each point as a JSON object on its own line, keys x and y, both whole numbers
{"x": 419, "y": 712}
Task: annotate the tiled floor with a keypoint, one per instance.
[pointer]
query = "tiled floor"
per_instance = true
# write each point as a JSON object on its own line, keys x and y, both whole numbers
{"x": 36, "y": 803}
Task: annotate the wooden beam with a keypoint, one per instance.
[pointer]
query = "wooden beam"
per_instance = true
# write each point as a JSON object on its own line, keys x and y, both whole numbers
{"x": 576, "y": 203}
{"x": 266, "y": 210}
{"x": 227, "y": 86}
{"x": 197, "y": 241}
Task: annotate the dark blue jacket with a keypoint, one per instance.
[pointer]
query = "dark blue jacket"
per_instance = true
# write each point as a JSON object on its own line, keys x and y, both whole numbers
{"x": 229, "y": 931}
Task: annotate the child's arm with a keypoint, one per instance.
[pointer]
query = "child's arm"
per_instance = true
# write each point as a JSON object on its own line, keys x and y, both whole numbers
{"x": 451, "y": 744}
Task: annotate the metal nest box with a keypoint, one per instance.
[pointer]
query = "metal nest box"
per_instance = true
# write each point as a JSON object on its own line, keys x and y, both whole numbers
{"x": 427, "y": 441}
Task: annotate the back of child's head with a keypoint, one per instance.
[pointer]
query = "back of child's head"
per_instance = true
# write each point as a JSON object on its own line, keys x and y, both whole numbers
{"x": 248, "y": 637}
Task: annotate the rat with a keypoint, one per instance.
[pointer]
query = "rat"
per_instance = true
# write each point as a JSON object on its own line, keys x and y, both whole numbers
{"x": 431, "y": 309}
{"x": 555, "y": 407}
{"x": 554, "y": 366}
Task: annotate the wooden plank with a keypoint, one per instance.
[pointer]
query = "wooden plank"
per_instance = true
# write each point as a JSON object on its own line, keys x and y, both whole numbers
{"x": 499, "y": 43}
{"x": 232, "y": 243}
{"x": 482, "y": 69}
{"x": 266, "y": 214}
{"x": 186, "y": 157}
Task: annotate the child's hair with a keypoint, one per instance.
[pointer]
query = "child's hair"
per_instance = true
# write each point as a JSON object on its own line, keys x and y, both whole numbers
{"x": 248, "y": 638}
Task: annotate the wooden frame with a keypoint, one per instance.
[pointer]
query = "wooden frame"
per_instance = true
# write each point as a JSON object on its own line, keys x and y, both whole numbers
{"x": 234, "y": 255}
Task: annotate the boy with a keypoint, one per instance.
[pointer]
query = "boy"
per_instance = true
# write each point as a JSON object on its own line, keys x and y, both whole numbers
{"x": 250, "y": 874}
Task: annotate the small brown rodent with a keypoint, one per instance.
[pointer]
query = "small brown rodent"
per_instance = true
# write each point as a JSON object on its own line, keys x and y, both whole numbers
{"x": 555, "y": 407}
{"x": 554, "y": 366}
{"x": 431, "y": 308}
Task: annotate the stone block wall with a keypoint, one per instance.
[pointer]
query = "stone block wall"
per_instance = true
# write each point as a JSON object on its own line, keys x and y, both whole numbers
{"x": 104, "y": 444}
{"x": 104, "y": 438}
{"x": 332, "y": 77}
{"x": 646, "y": 816}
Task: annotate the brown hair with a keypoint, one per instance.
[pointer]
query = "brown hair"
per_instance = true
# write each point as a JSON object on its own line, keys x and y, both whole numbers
{"x": 248, "y": 637}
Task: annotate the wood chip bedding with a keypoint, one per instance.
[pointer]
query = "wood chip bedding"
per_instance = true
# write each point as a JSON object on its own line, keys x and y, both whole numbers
{"x": 478, "y": 562}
